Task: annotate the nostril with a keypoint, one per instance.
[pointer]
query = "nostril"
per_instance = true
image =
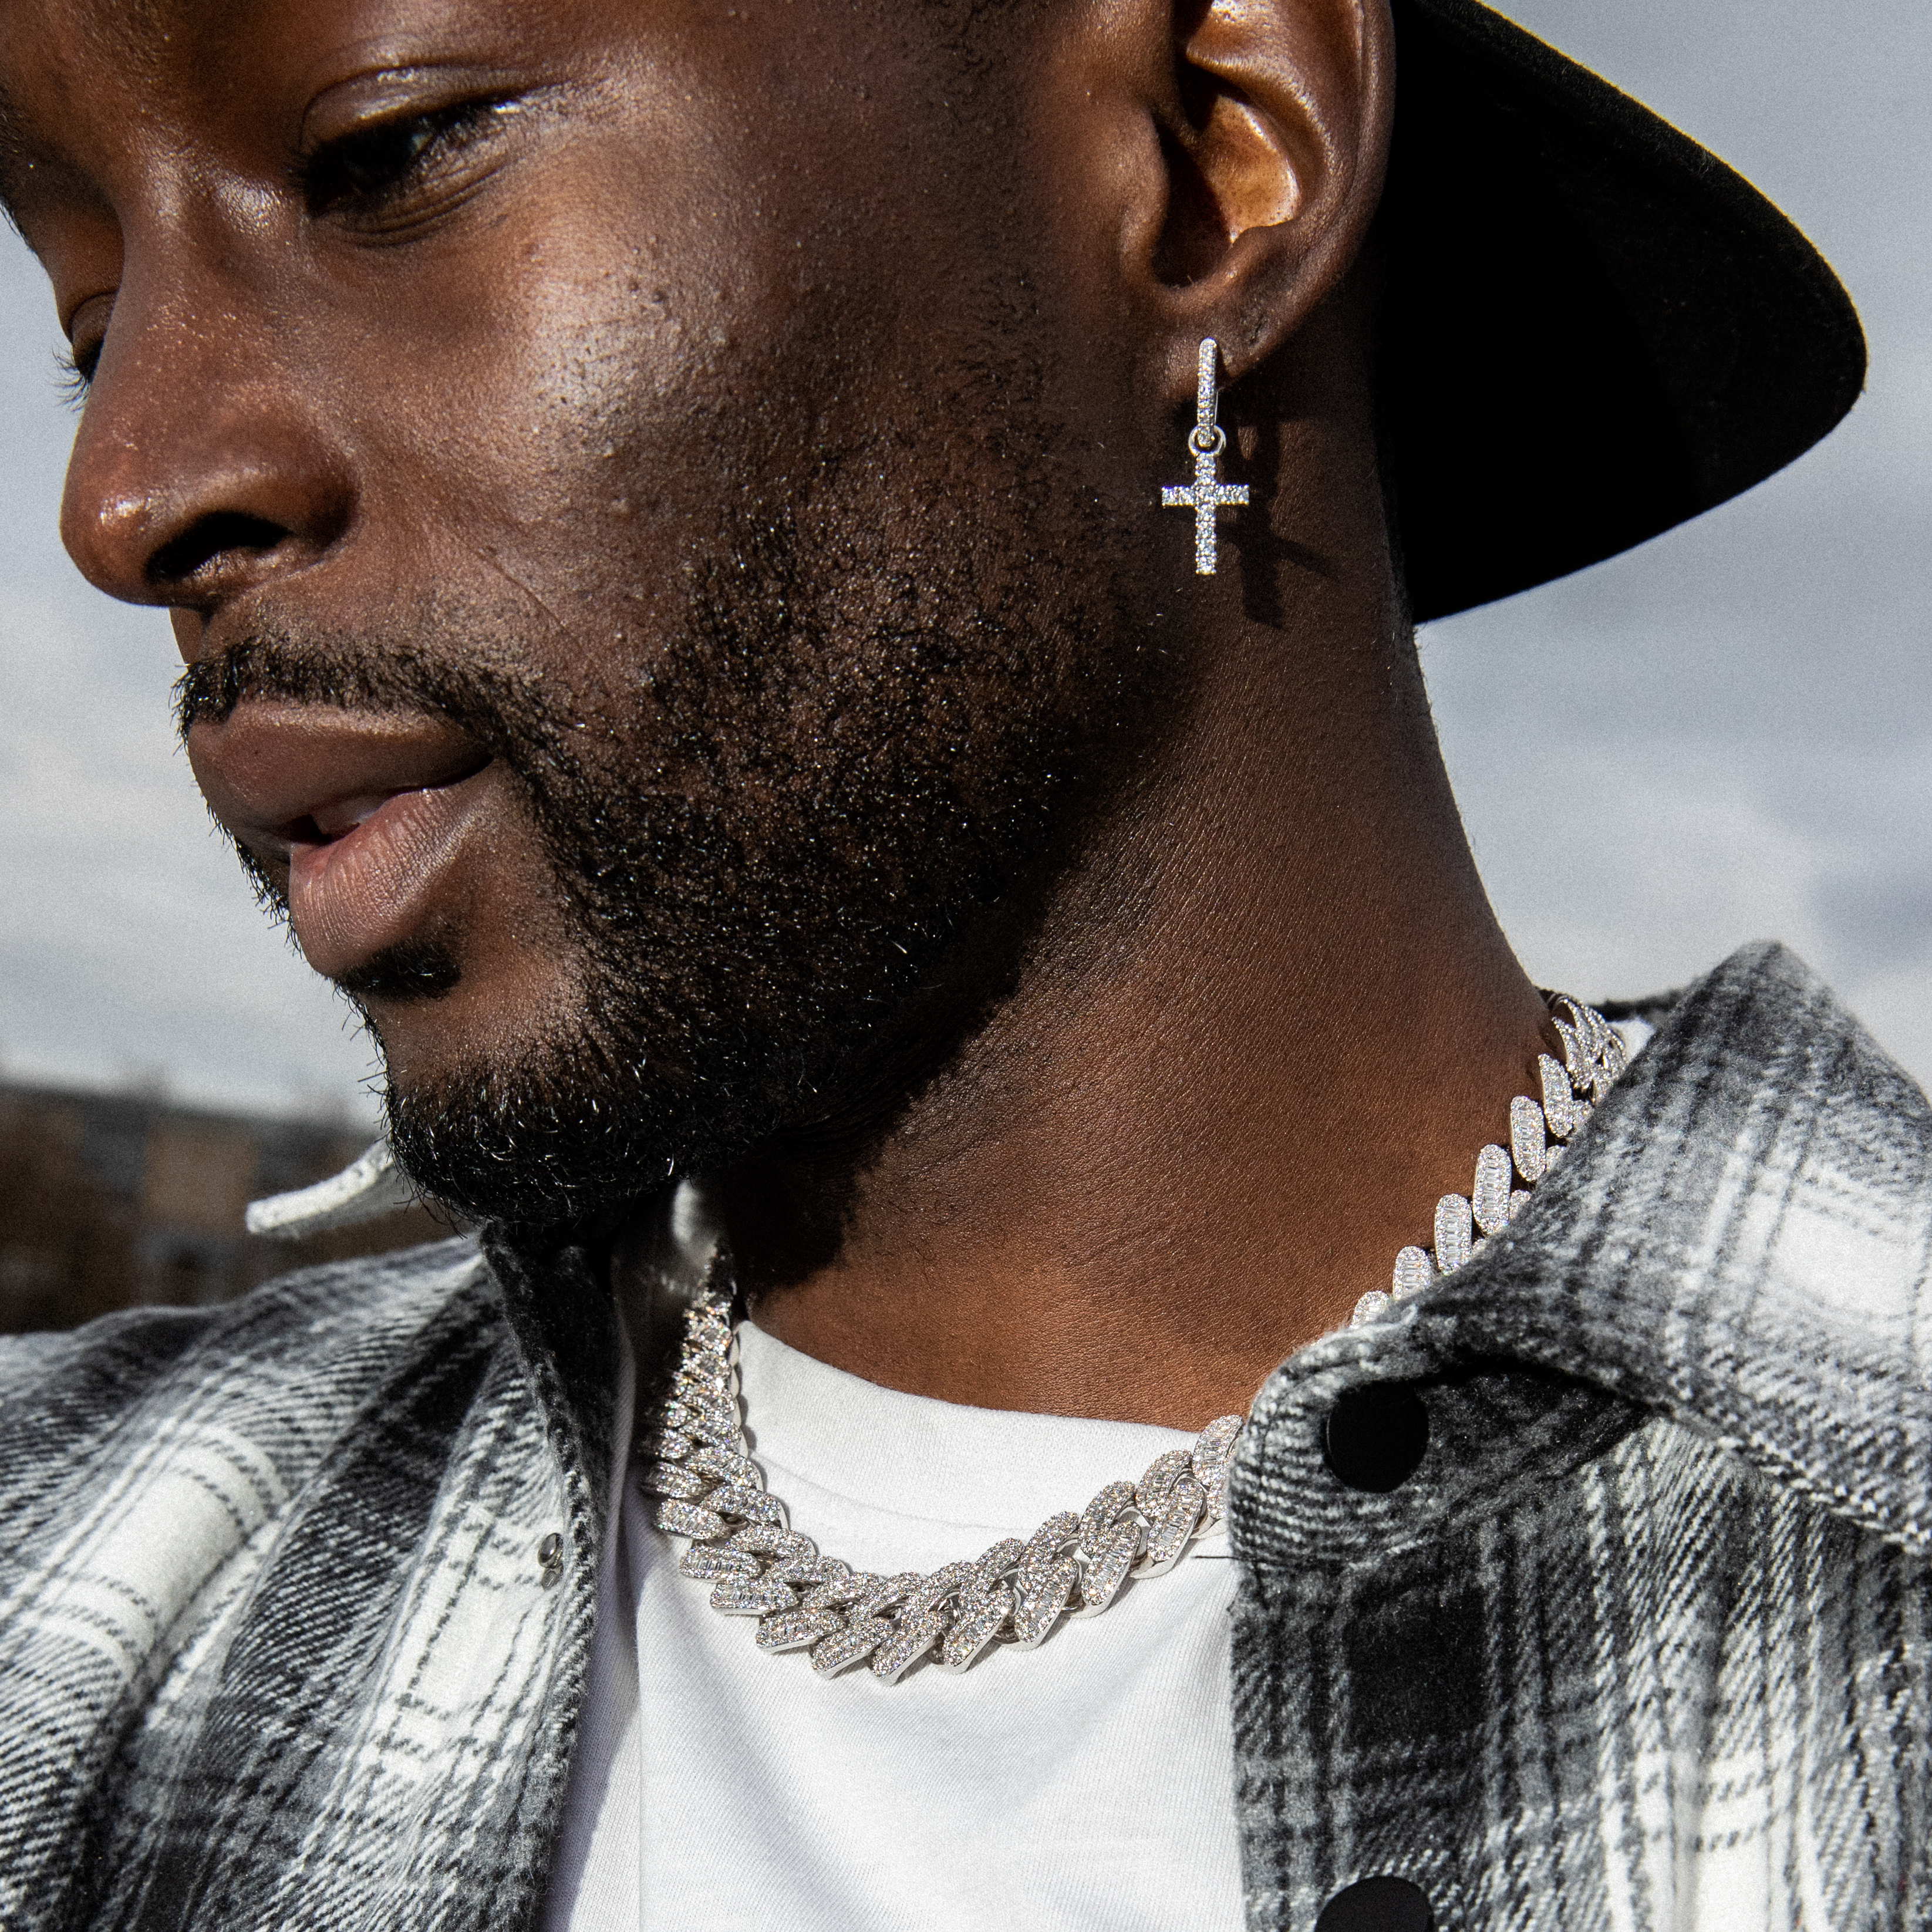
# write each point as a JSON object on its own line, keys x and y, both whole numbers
{"x": 224, "y": 533}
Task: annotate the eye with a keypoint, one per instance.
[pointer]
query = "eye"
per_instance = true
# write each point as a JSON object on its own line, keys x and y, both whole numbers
{"x": 88, "y": 333}
{"x": 371, "y": 166}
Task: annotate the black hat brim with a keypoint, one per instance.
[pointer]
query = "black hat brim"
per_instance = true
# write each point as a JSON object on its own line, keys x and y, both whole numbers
{"x": 1593, "y": 329}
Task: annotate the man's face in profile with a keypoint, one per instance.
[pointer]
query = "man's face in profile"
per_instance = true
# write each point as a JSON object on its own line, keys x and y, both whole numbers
{"x": 642, "y": 498}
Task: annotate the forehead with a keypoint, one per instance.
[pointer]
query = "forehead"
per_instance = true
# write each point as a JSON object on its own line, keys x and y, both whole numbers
{"x": 59, "y": 58}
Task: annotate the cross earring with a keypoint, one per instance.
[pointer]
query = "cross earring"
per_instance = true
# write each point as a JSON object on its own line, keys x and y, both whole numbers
{"x": 1206, "y": 440}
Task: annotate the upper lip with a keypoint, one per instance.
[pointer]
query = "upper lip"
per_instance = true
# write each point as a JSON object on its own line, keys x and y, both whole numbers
{"x": 277, "y": 775}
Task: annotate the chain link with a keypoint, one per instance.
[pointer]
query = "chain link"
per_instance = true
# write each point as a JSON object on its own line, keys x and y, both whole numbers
{"x": 710, "y": 1490}
{"x": 1593, "y": 1061}
{"x": 1074, "y": 1565}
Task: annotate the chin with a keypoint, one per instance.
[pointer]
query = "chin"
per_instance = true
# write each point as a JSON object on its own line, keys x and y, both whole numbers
{"x": 440, "y": 1014}
{"x": 529, "y": 1144}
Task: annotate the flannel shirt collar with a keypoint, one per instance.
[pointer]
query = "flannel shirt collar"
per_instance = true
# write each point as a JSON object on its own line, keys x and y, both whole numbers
{"x": 1738, "y": 1241}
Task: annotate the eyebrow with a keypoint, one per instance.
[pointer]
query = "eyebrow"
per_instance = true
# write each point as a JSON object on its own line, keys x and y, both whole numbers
{"x": 22, "y": 148}
{"x": 15, "y": 156}
{"x": 11, "y": 123}
{"x": 126, "y": 29}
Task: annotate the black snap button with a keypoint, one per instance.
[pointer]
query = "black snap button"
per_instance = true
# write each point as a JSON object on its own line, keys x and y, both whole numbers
{"x": 1378, "y": 1905}
{"x": 1375, "y": 1435}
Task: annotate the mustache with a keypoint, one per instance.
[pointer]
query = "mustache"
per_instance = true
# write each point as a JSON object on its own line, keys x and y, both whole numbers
{"x": 479, "y": 695}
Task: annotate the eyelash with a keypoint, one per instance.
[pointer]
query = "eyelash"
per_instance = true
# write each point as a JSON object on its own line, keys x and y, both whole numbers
{"x": 327, "y": 179}
{"x": 72, "y": 374}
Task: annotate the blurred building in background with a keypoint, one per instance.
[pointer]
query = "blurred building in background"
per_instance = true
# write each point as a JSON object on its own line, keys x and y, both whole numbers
{"x": 112, "y": 1201}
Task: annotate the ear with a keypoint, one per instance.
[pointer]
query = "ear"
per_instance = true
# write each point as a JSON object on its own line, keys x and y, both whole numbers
{"x": 1271, "y": 118}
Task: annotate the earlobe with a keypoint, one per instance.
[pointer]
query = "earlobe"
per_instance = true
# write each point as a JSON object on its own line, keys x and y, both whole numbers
{"x": 1274, "y": 136}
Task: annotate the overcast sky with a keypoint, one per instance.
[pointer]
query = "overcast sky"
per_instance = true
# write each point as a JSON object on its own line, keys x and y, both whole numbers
{"x": 1725, "y": 735}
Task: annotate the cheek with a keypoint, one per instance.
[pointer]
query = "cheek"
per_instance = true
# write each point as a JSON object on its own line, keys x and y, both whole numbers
{"x": 641, "y": 363}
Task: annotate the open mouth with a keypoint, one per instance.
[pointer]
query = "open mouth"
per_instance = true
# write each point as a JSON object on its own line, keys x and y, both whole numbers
{"x": 364, "y": 886}
{"x": 368, "y": 811}
{"x": 329, "y": 823}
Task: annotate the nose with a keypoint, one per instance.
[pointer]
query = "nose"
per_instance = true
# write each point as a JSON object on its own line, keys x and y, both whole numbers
{"x": 201, "y": 469}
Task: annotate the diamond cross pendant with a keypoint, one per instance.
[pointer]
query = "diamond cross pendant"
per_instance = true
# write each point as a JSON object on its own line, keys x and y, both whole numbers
{"x": 1207, "y": 493}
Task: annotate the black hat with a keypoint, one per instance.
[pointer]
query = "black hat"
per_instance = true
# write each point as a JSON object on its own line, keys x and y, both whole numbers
{"x": 1593, "y": 328}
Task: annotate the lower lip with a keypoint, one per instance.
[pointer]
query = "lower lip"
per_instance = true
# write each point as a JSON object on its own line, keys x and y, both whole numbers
{"x": 371, "y": 889}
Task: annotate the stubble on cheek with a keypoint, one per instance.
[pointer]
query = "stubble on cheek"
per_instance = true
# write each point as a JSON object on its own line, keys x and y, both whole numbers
{"x": 761, "y": 836}
{"x": 822, "y": 643}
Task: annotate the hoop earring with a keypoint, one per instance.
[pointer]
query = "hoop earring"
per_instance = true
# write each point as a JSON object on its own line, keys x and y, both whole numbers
{"x": 1206, "y": 440}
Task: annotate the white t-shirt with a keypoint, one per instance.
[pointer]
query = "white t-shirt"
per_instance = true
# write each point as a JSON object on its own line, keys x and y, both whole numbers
{"x": 1086, "y": 1784}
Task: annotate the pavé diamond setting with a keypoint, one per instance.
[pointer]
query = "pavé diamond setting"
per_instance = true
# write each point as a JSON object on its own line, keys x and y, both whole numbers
{"x": 1593, "y": 1061}
{"x": 1207, "y": 494}
{"x": 1076, "y": 1565}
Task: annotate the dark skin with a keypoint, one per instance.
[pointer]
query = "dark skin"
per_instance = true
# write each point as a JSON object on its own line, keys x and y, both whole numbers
{"x": 1267, "y": 1017}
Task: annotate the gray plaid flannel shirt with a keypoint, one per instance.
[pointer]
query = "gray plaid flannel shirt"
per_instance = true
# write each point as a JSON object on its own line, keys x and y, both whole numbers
{"x": 1641, "y": 1644}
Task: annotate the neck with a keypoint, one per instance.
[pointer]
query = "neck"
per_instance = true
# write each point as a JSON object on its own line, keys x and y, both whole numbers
{"x": 1264, "y": 1029}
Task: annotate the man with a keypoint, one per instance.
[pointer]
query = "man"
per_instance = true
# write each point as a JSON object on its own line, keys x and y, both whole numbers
{"x": 810, "y": 606}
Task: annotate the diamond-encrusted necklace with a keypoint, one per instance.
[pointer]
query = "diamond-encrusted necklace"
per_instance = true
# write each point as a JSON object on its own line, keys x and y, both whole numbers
{"x": 1074, "y": 1564}
{"x": 1593, "y": 1061}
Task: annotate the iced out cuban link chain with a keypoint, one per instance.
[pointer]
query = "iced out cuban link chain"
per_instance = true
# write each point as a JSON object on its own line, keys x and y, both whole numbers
{"x": 1073, "y": 1565}
{"x": 1017, "y": 1592}
{"x": 1593, "y": 1061}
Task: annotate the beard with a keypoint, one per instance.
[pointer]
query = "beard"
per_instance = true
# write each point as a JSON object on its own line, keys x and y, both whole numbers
{"x": 802, "y": 841}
